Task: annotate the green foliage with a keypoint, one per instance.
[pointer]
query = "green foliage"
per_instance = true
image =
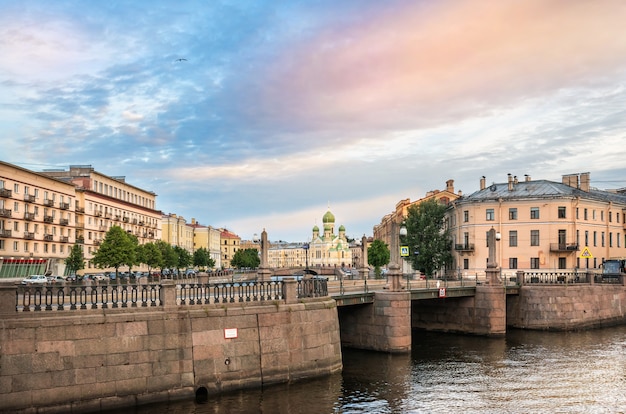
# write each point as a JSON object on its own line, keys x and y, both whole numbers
{"x": 184, "y": 257}
{"x": 246, "y": 258}
{"x": 168, "y": 255}
{"x": 151, "y": 255}
{"x": 202, "y": 258}
{"x": 378, "y": 255}
{"x": 116, "y": 250}
{"x": 76, "y": 259}
{"x": 426, "y": 234}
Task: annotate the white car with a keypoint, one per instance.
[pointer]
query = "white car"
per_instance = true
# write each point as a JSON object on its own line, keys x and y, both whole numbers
{"x": 35, "y": 280}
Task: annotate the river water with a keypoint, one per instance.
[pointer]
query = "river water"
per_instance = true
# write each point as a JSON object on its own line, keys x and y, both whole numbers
{"x": 525, "y": 372}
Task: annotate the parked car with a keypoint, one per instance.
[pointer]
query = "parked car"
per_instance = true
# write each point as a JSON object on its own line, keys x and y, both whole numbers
{"x": 55, "y": 279}
{"x": 35, "y": 280}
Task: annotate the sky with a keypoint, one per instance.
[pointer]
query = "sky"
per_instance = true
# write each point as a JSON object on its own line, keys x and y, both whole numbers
{"x": 252, "y": 114}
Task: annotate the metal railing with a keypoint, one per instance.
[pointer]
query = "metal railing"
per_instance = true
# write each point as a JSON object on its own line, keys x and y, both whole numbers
{"x": 204, "y": 294}
{"x": 74, "y": 297}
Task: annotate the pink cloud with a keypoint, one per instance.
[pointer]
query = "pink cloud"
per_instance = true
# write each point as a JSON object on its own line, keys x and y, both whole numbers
{"x": 454, "y": 58}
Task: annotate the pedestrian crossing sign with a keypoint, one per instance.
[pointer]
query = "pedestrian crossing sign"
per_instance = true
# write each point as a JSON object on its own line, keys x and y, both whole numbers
{"x": 404, "y": 251}
{"x": 586, "y": 254}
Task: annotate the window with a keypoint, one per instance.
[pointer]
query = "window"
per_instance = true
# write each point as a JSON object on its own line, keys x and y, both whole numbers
{"x": 512, "y": 262}
{"x": 585, "y": 214}
{"x": 595, "y": 238}
{"x": 534, "y": 263}
{"x": 15, "y": 246}
{"x": 610, "y": 217}
{"x": 610, "y": 239}
{"x": 16, "y": 188}
{"x": 534, "y": 237}
{"x": 465, "y": 216}
{"x": 512, "y": 214}
{"x": 561, "y": 212}
{"x": 562, "y": 263}
{"x": 513, "y": 238}
{"x": 602, "y": 238}
{"x": 577, "y": 216}
{"x": 465, "y": 263}
{"x": 1, "y": 244}
{"x": 490, "y": 215}
{"x": 534, "y": 213}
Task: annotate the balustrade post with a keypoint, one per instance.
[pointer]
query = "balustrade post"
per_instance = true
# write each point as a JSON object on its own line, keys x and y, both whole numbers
{"x": 520, "y": 277}
{"x": 7, "y": 298}
{"x": 591, "y": 277}
{"x": 290, "y": 290}
{"x": 168, "y": 293}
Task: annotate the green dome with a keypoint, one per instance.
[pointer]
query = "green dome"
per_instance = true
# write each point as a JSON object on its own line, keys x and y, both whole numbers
{"x": 328, "y": 217}
{"x": 328, "y": 227}
{"x": 315, "y": 228}
{"x": 342, "y": 228}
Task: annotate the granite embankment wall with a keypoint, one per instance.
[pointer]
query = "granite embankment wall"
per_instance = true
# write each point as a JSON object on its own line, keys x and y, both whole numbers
{"x": 90, "y": 360}
{"x": 567, "y": 306}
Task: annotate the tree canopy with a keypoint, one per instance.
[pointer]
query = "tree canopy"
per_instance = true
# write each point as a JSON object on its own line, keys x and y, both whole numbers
{"x": 427, "y": 238}
{"x": 246, "y": 258}
{"x": 116, "y": 250}
{"x": 378, "y": 255}
{"x": 202, "y": 258}
{"x": 76, "y": 259}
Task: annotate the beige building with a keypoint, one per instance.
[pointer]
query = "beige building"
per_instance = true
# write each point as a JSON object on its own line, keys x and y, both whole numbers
{"x": 230, "y": 243}
{"x": 176, "y": 232}
{"x": 542, "y": 224}
{"x": 389, "y": 228}
{"x": 43, "y": 214}
{"x": 209, "y": 238}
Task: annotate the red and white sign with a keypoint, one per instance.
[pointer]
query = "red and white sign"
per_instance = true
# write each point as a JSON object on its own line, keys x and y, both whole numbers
{"x": 442, "y": 292}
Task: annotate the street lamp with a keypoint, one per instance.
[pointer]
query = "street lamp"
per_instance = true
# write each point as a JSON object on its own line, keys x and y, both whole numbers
{"x": 305, "y": 246}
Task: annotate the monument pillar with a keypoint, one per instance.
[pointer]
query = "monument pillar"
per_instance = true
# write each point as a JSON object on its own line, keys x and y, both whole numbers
{"x": 264, "y": 273}
{"x": 364, "y": 271}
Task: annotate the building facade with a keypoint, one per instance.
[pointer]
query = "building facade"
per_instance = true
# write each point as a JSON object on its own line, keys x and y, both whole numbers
{"x": 229, "y": 243}
{"x": 543, "y": 225}
{"x": 43, "y": 214}
{"x": 327, "y": 248}
{"x": 389, "y": 228}
{"x": 207, "y": 237}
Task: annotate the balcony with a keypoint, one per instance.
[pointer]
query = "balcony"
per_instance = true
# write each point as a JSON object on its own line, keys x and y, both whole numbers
{"x": 5, "y": 192}
{"x": 64, "y": 222}
{"x": 64, "y": 239}
{"x": 80, "y": 225}
{"x": 96, "y": 242}
{"x": 29, "y": 216}
{"x": 134, "y": 221}
{"x": 64, "y": 206}
{"x": 48, "y": 203}
{"x": 5, "y": 213}
{"x": 29, "y": 236}
{"x": 80, "y": 209}
{"x": 5, "y": 233}
{"x": 80, "y": 240}
{"x": 563, "y": 247}
{"x": 98, "y": 214}
{"x": 468, "y": 247}
{"x": 125, "y": 219}
{"x": 48, "y": 219}
{"x": 29, "y": 198}
{"x": 48, "y": 237}
{"x": 141, "y": 223}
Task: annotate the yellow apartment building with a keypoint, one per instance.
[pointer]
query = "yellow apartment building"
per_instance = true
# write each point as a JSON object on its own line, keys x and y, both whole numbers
{"x": 543, "y": 225}
{"x": 207, "y": 237}
{"x": 43, "y": 214}
{"x": 230, "y": 243}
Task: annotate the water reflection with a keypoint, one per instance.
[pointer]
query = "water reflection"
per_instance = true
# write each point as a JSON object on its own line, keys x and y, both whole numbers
{"x": 526, "y": 372}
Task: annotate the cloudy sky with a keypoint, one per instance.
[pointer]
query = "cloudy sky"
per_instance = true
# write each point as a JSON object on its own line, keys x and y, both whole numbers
{"x": 282, "y": 109}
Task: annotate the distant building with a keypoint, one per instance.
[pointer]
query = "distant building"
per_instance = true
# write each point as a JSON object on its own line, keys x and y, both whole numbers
{"x": 544, "y": 225}
{"x": 229, "y": 243}
{"x": 389, "y": 228}
{"x": 328, "y": 248}
{"x": 209, "y": 238}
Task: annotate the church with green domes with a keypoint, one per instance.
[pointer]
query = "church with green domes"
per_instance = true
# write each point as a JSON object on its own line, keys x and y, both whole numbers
{"x": 327, "y": 248}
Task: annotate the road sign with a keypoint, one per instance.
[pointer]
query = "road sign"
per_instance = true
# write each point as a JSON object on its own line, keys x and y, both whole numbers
{"x": 586, "y": 254}
{"x": 404, "y": 251}
{"x": 442, "y": 292}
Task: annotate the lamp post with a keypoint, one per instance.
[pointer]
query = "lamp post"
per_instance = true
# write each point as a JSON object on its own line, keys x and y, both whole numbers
{"x": 305, "y": 246}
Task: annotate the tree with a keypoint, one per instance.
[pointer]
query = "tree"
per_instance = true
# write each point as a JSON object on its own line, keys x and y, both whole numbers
{"x": 202, "y": 258}
{"x": 116, "y": 250}
{"x": 246, "y": 258}
{"x": 184, "y": 257}
{"x": 427, "y": 238}
{"x": 151, "y": 255}
{"x": 168, "y": 255}
{"x": 378, "y": 255}
{"x": 76, "y": 259}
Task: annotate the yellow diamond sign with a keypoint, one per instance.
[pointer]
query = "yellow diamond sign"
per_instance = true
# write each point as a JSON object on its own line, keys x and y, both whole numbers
{"x": 586, "y": 254}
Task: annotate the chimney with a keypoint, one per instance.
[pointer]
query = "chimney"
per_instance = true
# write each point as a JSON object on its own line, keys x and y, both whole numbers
{"x": 584, "y": 181}
{"x": 510, "y": 182}
{"x": 482, "y": 182}
{"x": 526, "y": 177}
{"x": 450, "y": 186}
{"x": 570, "y": 180}
{"x": 515, "y": 181}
